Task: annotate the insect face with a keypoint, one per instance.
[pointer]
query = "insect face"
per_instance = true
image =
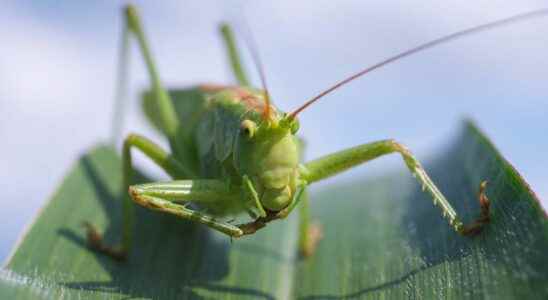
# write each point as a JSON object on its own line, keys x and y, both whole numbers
{"x": 268, "y": 155}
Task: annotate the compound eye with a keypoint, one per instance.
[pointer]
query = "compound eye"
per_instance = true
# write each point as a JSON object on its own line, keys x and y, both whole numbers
{"x": 248, "y": 128}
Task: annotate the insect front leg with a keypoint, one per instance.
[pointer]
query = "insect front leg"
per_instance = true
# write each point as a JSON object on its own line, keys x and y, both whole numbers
{"x": 167, "y": 197}
{"x": 165, "y": 161}
{"x": 252, "y": 194}
{"x": 340, "y": 161}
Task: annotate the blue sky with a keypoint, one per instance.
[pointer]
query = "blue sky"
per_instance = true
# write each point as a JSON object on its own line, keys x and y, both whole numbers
{"x": 57, "y": 75}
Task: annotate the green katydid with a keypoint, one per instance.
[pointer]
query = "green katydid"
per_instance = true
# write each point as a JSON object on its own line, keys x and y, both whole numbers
{"x": 235, "y": 152}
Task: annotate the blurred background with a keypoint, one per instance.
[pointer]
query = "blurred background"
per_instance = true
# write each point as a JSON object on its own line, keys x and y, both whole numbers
{"x": 58, "y": 60}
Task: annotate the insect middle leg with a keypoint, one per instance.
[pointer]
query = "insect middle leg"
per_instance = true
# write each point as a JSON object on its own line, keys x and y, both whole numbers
{"x": 340, "y": 161}
{"x": 165, "y": 161}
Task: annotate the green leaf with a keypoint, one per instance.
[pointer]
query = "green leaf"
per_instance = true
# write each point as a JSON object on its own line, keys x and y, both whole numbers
{"x": 382, "y": 238}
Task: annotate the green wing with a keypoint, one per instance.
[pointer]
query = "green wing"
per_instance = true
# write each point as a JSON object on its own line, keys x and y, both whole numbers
{"x": 227, "y": 123}
{"x": 216, "y": 134}
{"x": 189, "y": 105}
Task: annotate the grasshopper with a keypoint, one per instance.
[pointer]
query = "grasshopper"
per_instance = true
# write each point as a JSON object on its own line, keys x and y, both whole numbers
{"x": 234, "y": 152}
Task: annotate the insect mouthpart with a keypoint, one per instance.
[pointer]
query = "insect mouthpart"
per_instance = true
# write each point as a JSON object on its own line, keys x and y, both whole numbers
{"x": 277, "y": 199}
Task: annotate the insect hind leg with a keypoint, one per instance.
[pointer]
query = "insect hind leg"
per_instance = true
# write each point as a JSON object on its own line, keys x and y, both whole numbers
{"x": 233, "y": 55}
{"x": 169, "y": 122}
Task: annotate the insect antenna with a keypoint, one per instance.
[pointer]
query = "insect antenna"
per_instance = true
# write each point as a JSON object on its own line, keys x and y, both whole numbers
{"x": 253, "y": 49}
{"x": 436, "y": 42}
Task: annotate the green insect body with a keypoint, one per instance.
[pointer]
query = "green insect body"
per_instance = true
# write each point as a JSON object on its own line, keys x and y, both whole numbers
{"x": 232, "y": 141}
{"x": 234, "y": 152}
